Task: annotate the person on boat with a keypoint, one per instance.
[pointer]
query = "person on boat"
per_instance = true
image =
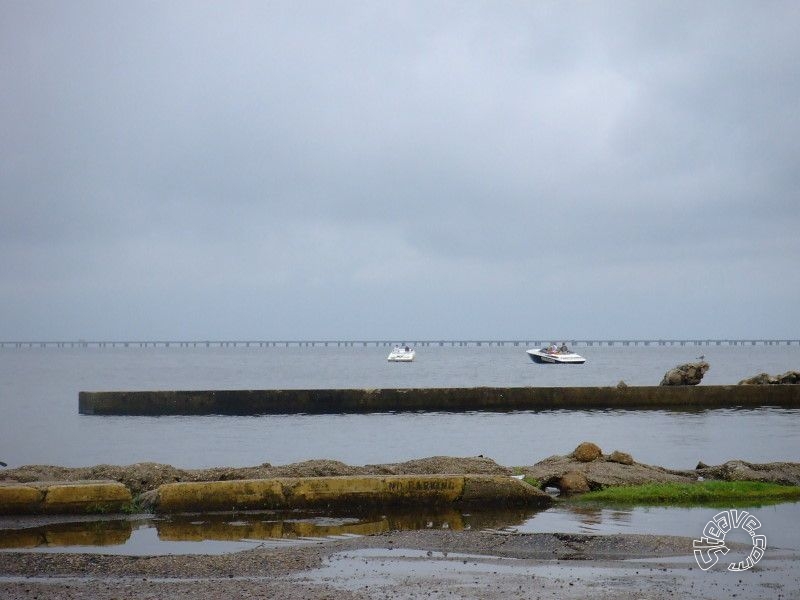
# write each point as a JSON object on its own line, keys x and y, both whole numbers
{"x": 564, "y": 348}
{"x": 552, "y": 348}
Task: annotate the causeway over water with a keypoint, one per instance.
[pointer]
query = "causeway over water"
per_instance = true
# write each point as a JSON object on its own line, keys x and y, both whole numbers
{"x": 530, "y": 342}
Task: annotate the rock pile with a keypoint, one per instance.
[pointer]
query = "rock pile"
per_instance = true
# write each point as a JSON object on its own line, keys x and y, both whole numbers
{"x": 783, "y": 473}
{"x": 587, "y": 468}
{"x": 788, "y": 378}
{"x": 687, "y": 374}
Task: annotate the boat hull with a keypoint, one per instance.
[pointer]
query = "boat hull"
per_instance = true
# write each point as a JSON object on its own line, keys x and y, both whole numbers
{"x": 542, "y": 357}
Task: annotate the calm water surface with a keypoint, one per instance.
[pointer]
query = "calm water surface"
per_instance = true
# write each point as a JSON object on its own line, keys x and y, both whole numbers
{"x": 40, "y": 422}
{"x": 221, "y": 533}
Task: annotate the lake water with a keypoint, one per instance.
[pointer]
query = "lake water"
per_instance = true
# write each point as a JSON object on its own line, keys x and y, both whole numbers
{"x": 40, "y": 423}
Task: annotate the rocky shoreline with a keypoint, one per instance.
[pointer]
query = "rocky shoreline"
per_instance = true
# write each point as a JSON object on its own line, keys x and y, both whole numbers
{"x": 408, "y": 564}
{"x": 601, "y": 470}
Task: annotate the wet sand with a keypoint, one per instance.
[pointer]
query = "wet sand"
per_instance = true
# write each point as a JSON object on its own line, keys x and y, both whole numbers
{"x": 409, "y": 565}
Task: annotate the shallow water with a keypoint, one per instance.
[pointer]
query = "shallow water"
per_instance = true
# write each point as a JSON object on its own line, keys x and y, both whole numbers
{"x": 223, "y": 533}
{"x": 780, "y": 522}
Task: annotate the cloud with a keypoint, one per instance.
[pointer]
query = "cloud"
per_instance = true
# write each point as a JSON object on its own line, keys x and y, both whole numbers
{"x": 332, "y": 155}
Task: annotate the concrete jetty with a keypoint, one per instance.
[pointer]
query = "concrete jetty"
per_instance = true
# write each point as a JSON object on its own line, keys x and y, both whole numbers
{"x": 493, "y": 399}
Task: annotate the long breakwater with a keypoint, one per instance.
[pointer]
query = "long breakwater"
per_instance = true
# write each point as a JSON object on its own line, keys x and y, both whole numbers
{"x": 492, "y": 399}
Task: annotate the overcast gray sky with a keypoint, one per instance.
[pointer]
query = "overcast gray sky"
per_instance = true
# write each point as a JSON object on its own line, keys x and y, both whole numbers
{"x": 297, "y": 169}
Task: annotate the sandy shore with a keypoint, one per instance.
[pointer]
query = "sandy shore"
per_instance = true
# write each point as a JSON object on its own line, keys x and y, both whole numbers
{"x": 412, "y": 564}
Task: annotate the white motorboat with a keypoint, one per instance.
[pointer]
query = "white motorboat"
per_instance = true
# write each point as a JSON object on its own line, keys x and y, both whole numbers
{"x": 401, "y": 354}
{"x": 557, "y": 356}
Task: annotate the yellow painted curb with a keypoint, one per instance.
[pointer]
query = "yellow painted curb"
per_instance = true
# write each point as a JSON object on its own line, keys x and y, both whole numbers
{"x": 63, "y": 497}
{"x": 346, "y": 492}
{"x": 398, "y": 489}
{"x": 308, "y": 492}
{"x": 19, "y": 499}
{"x": 220, "y": 495}
{"x": 82, "y": 497}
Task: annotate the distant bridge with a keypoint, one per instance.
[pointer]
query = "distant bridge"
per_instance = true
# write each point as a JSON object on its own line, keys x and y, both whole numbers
{"x": 529, "y": 342}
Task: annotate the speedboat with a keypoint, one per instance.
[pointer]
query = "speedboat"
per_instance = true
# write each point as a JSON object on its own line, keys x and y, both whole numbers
{"x": 401, "y": 354}
{"x": 551, "y": 355}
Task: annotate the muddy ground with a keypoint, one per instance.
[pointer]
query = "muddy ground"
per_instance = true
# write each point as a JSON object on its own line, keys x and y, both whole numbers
{"x": 408, "y": 565}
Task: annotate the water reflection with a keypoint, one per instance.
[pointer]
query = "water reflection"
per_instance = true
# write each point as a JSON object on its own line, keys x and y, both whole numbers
{"x": 272, "y": 525}
{"x": 220, "y": 533}
{"x": 93, "y": 534}
{"x": 591, "y": 517}
{"x": 780, "y": 522}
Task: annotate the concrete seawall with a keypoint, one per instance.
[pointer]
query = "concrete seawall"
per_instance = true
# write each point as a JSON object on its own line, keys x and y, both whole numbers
{"x": 351, "y": 492}
{"x": 335, "y": 401}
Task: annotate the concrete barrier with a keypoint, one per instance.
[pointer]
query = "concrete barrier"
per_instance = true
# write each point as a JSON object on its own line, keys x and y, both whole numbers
{"x": 78, "y": 497}
{"x": 347, "y": 493}
{"x": 335, "y": 401}
{"x": 19, "y": 499}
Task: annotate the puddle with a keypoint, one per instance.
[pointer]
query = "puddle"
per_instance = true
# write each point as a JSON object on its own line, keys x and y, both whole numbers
{"x": 779, "y": 522}
{"x": 223, "y": 533}
{"x": 141, "y": 541}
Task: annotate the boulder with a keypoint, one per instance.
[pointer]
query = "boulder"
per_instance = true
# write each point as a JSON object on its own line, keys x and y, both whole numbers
{"x": 622, "y": 458}
{"x": 573, "y": 482}
{"x": 687, "y": 374}
{"x": 587, "y": 452}
{"x": 760, "y": 379}
{"x": 790, "y": 377}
